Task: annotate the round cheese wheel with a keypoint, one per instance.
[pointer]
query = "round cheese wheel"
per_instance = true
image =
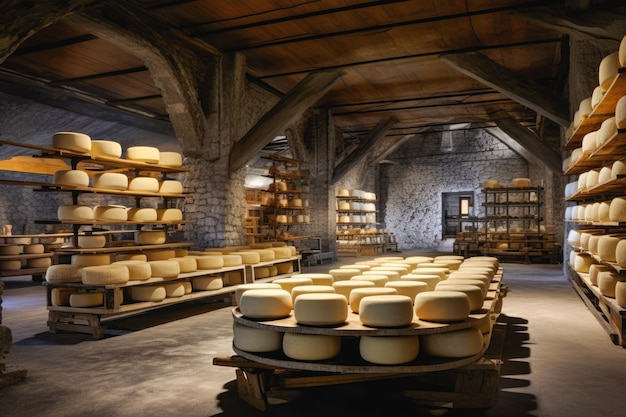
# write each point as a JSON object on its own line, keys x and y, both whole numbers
{"x": 389, "y": 350}
{"x": 148, "y": 154}
{"x": 91, "y": 260}
{"x": 620, "y": 294}
{"x": 38, "y": 263}
{"x": 607, "y": 130}
{"x": 491, "y": 259}
{"x": 209, "y": 262}
{"x": 169, "y": 215}
{"x": 430, "y": 280}
{"x": 265, "y": 255}
{"x": 391, "y": 275}
{"x": 164, "y": 269}
{"x": 186, "y": 264}
{"x": 288, "y": 284}
{"x": 386, "y": 310}
{"x": 265, "y": 304}
{"x": 131, "y": 257}
{"x": 72, "y": 141}
{"x": 399, "y": 269}
{"x": 251, "y": 339}
{"x": 360, "y": 267}
{"x": 170, "y": 159}
{"x": 154, "y": 293}
{"x": 249, "y": 257}
{"x": 620, "y": 113}
{"x": 473, "y": 292}
{"x": 150, "y": 237}
{"x": 320, "y": 309}
{"x": 72, "y": 177}
{"x": 343, "y": 193}
{"x": 317, "y": 278}
{"x": 105, "y": 275}
{"x": 141, "y": 214}
{"x": 520, "y": 182}
{"x": 345, "y": 287}
{"x": 378, "y": 280}
{"x": 174, "y": 289}
{"x": 110, "y": 181}
{"x": 311, "y": 289}
{"x": 607, "y": 72}
{"x": 311, "y": 347}
{"x": 74, "y": 213}
{"x": 582, "y": 262}
{"x": 620, "y": 253}
{"x": 585, "y": 107}
{"x": 91, "y": 241}
{"x": 63, "y": 273}
{"x": 9, "y": 250}
{"x": 408, "y": 288}
{"x": 607, "y": 282}
{"x": 231, "y": 260}
{"x": 86, "y": 299}
{"x": 106, "y": 148}
{"x": 340, "y": 274}
{"x": 138, "y": 270}
{"x": 254, "y": 286}
{"x": 607, "y": 246}
{"x": 594, "y": 270}
{"x": 442, "y": 273}
{"x": 617, "y": 209}
{"x": 442, "y": 306}
{"x": 160, "y": 255}
{"x": 207, "y": 283}
{"x": 110, "y": 213}
{"x": 170, "y": 187}
{"x": 592, "y": 178}
{"x": 10, "y": 265}
{"x": 568, "y": 213}
{"x": 605, "y": 175}
{"x": 491, "y": 183}
{"x": 455, "y": 344}
{"x": 34, "y": 248}
{"x": 444, "y": 285}
{"x": 358, "y": 294}
{"x": 61, "y": 296}
{"x": 144, "y": 184}
{"x": 573, "y": 237}
{"x": 261, "y": 272}
{"x": 282, "y": 252}
{"x": 284, "y": 268}
{"x": 596, "y": 96}
{"x": 618, "y": 168}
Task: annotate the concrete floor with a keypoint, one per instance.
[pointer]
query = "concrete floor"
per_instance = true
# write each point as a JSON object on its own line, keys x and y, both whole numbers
{"x": 558, "y": 361}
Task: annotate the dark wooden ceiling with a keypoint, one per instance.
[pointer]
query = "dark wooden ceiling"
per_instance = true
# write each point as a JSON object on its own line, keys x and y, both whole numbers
{"x": 389, "y": 53}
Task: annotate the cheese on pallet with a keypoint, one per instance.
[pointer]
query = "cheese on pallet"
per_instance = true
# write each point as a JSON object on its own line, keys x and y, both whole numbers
{"x": 186, "y": 263}
{"x": 110, "y": 213}
{"x": 320, "y": 309}
{"x": 266, "y": 304}
{"x": 392, "y": 310}
{"x": 131, "y": 257}
{"x": 607, "y": 72}
{"x": 607, "y": 282}
{"x": 408, "y": 288}
{"x": 164, "y": 269}
{"x": 105, "y": 274}
{"x": 442, "y": 306}
{"x": 61, "y": 296}
{"x": 607, "y": 246}
{"x": 484, "y": 287}
{"x": 148, "y": 154}
{"x": 154, "y": 293}
{"x": 138, "y": 270}
{"x": 144, "y": 184}
{"x": 378, "y": 280}
{"x": 594, "y": 270}
{"x": 430, "y": 280}
{"x": 346, "y": 287}
{"x": 169, "y": 215}
{"x": 106, "y": 148}
{"x": 620, "y": 294}
{"x": 150, "y": 237}
{"x": 10, "y": 265}
{"x": 86, "y": 299}
{"x": 74, "y": 213}
{"x": 474, "y": 293}
{"x": 455, "y": 344}
{"x": 38, "y": 263}
{"x": 389, "y": 350}
{"x": 72, "y": 141}
{"x": 170, "y": 187}
{"x": 9, "y": 250}
{"x": 311, "y": 347}
{"x": 71, "y": 177}
{"x": 254, "y": 286}
{"x": 311, "y": 289}
{"x": 63, "y": 273}
{"x": 91, "y": 260}
{"x": 170, "y": 159}
{"x": 358, "y": 294}
{"x": 442, "y": 273}
{"x": 288, "y": 284}
{"x": 91, "y": 241}
{"x": 174, "y": 289}
{"x": 252, "y": 339}
{"x": 360, "y": 267}
{"x": 317, "y": 278}
{"x": 110, "y": 181}
{"x": 582, "y": 262}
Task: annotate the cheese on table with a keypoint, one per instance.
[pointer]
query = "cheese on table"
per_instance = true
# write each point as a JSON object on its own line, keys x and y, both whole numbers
{"x": 317, "y": 278}
{"x": 408, "y": 288}
{"x": 138, "y": 270}
{"x": 150, "y": 237}
{"x": 110, "y": 181}
{"x": 389, "y": 350}
{"x": 186, "y": 263}
{"x": 144, "y": 184}
{"x": 110, "y": 213}
{"x": 251, "y": 339}
{"x": 442, "y": 306}
{"x": 320, "y": 309}
{"x": 77, "y": 213}
{"x": 170, "y": 159}
{"x": 106, "y": 148}
{"x": 474, "y": 293}
{"x": 265, "y": 304}
{"x": 430, "y": 280}
{"x": 63, "y": 273}
{"x": 311, "y": 347}
{"x": 154, "y": 293}
{"x": 288, "y": 284}
{"x": 86, "y": 299}
{"x": 345, "y": 287}
{"x": 72, "y": 141}
{"x": 358, "y": 294}
{"x": 170, "y": 187}
{"x": 254, "y": 286}
{"x": 71, "y": 177}
{"x": 311, "y": 289}
{"x": 392, "y": 310}
{"x": 105, "y": 274}
{"x": 165, "y": 269}
{"x": 148, "y": 154}
{"x": 91, "y": 260}
{"x": 455, "y": 344}
{"x": 142, "y": 214}
{"x": 207, "y": 283}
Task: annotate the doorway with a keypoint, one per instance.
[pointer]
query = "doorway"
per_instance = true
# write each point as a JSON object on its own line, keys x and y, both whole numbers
{"x": 456, "y": 207}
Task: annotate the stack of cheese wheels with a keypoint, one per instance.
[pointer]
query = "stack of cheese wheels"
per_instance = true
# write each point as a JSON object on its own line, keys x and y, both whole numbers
{"x": 75, "y": 213}
{"x": 105, "y": 274}
{"x": 207, "y": 283}
{"x": 72, "y": 141}
{"x": 474, "y": 293}
{"x": 358, "y": 294}
{"x": 63, "y": 273}
{"x": 147, "y": 293}
{"x": 346, "y": 287}
{"x": 138, "y": 270}
{"x": 288, "y": 284}
{"x": 430, "y": 280}
{"x": 150, "y": 237}
{"x": 265, "y": 304}
{"x": 378, "y": 280}
{"x": 170, "y": 159}
{"x": 110, "y": 213}
{"x": 455, "y": 344}
{"x": 408, "y": 288}
{"x": 165, "y": 269}
{"x": 252, "y": 339}
{"x": 317, "y": 278}
{"x": 254, "y": 286}
{"x": 142, "y": 214}
{"x": 389, "y": 350}
{"x": 442, "y": 306}
{"x": 86, "y": 299}
{"x": 311, "y": 347}
{"x": 148, "y": 154}
{"x": 392, "y": 310}
{"x": 71, "y": 177}
{"x": 320, "y": 309}
{"x": 106, "y": 148}
{"x": 607, "y": 282}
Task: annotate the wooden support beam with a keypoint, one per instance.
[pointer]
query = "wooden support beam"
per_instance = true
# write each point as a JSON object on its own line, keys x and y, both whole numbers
{"x": 363, "y": 149}
{"x": 385, "y": 146}
{"x": 529, "y": 145}
{"x": 288, "y": 110}
{"x": 494, "y": 75}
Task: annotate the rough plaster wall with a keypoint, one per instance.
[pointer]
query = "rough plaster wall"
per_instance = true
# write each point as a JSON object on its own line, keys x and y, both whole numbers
{"x": 413, "y": 187}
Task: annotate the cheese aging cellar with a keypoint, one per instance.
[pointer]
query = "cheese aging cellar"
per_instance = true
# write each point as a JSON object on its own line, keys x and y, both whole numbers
{"x": 312, "y": 207}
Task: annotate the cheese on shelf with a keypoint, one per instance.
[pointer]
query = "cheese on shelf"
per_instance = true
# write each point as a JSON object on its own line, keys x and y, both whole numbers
{"x": 76, "y": 213}
{"x": 265, "y": 304}
{"x": 72, "y": 141}
{"x": 145, "y": 293}
{"x": 91, "y": 260}
{"x": 106, "y": 148}
{"x": 608, "y": 70}
{"x": 9, "y": 250}
{"x": 148, "y": 154}
{"x": 169, "y": 215}
{"x": 311, "y": 347}
{"x": 170, "y": 159}
{"x": 91, "y": 241}
{"x": 144, "y": 184}
{"x": 174, "y": 289}
{"x": 164, "y": 269}
{"x": 170, "y": 187}
{"x": 38, "y": 262}
{"x": 137, "y": 270}
{"x": 207, "y": 283}
{"x": 389, "y": 350}
{"x": 186, "y": 263}
{"x": 71, "y": 177}
{"x": 139, "y": 214}
{"x": 110, "y": 213}
{"x": 150, "y": 237}
{"x": 442, "y": 306}
{"x": 63, "y": 273}
{"x": 105, "y": 274}
{"x": 10, "y": 265}
{"x": 86, "y": 299}
{"x": 110, "y": 181}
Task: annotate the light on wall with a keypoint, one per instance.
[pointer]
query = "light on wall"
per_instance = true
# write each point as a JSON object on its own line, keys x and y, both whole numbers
{"x": 446, "y": 141}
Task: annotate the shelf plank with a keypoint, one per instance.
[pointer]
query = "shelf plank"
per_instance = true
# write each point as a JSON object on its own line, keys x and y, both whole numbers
{"x": 138, "y": 248}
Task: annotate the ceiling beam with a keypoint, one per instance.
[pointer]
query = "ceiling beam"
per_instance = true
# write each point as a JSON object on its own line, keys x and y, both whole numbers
{"x": 386, "y": 146}
{"x": 523, "y": 91}
{"x": 365, "y": 146}
{"x": 289, "y": 109}
{"x": 529, "y": 141}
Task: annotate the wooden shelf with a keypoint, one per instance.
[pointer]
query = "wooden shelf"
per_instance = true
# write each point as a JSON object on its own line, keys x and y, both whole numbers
{"x": 612, "y": 150}
{"x": 138, "y": 248}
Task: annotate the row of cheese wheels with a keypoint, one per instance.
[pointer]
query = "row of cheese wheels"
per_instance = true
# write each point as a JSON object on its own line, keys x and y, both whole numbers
{"x": 587, "y": 180}
{"x": 354, "y": 206}
{"x": 82, "y": 143}
{"x": 610, "y": 283}
{"x": 27, "y": 249}
{"x": 386, "y": 292}
{"x": 356, "y": 218}
{"x": 608, "y": 70}
{"x": 117, "y": 214}
{"x": 362, "y": 194}
{"x": 607, "y": 247}
{"x": 599, "y": 211}
{"x": 117, "y": 181}
{"x": 515, "y": 183}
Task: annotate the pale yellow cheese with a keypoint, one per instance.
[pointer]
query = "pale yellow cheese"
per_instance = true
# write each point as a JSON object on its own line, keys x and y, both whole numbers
{"x": 91, "y": 241}
{"x": 378, "y": 280}
{"x": 455, "y": 344}
{"x": 596, "y": 96}
{"x": 110, "y": 213}
{"x": 231, "y": 260}
{"x": 207, "y": 283}
{"x": 311, "y": 347}
{"x": 408, "y": 288}
{"x": 340, "y": 274}
{"x": 484, "y": 287}
{"x": 174, "y": 289}
{"x": 160, "y": 255}
{"x": 607, "y": 282}
{"x": 105, "y": 274}
{"x": 442, "y": 306}
{"x": 72, "y": 141}
{"x": 607, "y": 72}
{"x": 392, "y": 310}
{"x": 617, "y": 209}
{"x": 72, "y": 177}
{"x": 186, "y": 264}
{"x": 91, "y": 260}
{"x": 252, "y": 339}
{"x": 131, "y": 257}
{"x": 170, "y": 159}
{"x": 430, "y": 280}
{"x": 282, "y": 252}
{"x": 391, "y": 275}
{"x": 254, "y": 286}
{"x": 317, "y": 278}
{"x": 621, "y": 52}
{"x": 284, "y": 268}
{"x": 474, "y": 293}
{"x": 345, "y": 287}
{"x": 61, "y": 296}
{"x": 138, "y": 270}
{"x": 86, "y": 299}
{"x": 620, "y": 294}
{"x": 148, "y": 154}
{"x": 389, "y": 350}
{"x": 38, "y": 262}
{"x": 582, "y": 262}
{"x": 607, "y": 246}
{"x": 620, "y": 253}
{"x": 288, "y": 284}
{"x": 144, "y": 184}
{"x": 360, "y": 267}
{"x": 358, "y": 294}
{"x": 311, "y": 289}
{"x": 10, "y": 265}
{"x": 165, "y": 269}
{"x": 442, "y": 273}
{"x": 110, "y": 181}
{"x": 170, "y": 187}
{"x": 106, "y": 148}
{"x": 607, "y": 130}
{"x": 209, "y": 262}
{"x": 150, "y": 237}
{"x": 154, "y": 293}
{"x": 620, "y": 113}
{"x": 520, "y": 182}
{"x": 265, "y": 304}
{"x": 594, "y": 270}
{"x": 76, "y": 213}
{"x": 63, "y": 273}
{"x": 618, "y": 168}
{"x": 142, "y": 214}
{"x": 249, "y": 257}
{"x": 320, "y": 309}
{"x": 605, "y": 175}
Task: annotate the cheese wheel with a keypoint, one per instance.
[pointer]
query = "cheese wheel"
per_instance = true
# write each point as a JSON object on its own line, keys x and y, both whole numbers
{"x": 592, "y": 178}
{"x": 378, "y": 280}
{"x": 165, "y": 269}
{"x": 137, "y": 270}
{"x": 607, "y": 282}
{"x": 63, "y": 273}
{"x": 249, "y": 257}
{"x": 520, "y": 182}
{"x": 585, "y": 107}
{"x": 148, "y": 154}
{"x": 284, "y": 268}
{"x": 455, "y": 344}
{"x": 618, "y": 168}
{"x": 343, "y": 193}
{"x": 91, "y": 260}
{"x": 254, "y": 286}
{"x": 170, "y": 187}
{"x": 150, "y": 237}
{"x": 444, "y": 285}
{"x": 389, "y": 350}
{"x": 209, "y": 262}
{"x": 311, "y": 347}
{"x": 9, "y": 250}
{"x": 288, "y": 284}
{"x": 154, "y": 293}
{"x": 169, "y": 215}
{"x": 186, "y": 264}
{"x": 474, "y": 293}
{"x": 106, "y": 148}
{"x": 620, "y": 113}
{"x": 607, "y": 130}
{"x": 360, "y": 267}
{"x": 142, "y": 214}
{"x": 340, "y": 274}
{"x": 617, "y": 209}
{"x": 386, "y": 310}
{"x": 311, "y": 289}
{"x": 442, "y": 273}
{"x": 72, "y": 177}
{"x": 144, "y": 184}
{"x": 110, "y": 181}
{"x": 399, "y": 269}
{"x": 174, "y": 289}
{"x": 346, "y": 287}
{"x": 621, "y": 52}
{"x": 207, "y": 283}
{"x": 251, "y": 339}
{"x": 620, "y": 253}
{"x": 573, "y": 237}
{"x": 61, "y": 296}
{"x": 38, "y": 263}
{"x": 430, "y": 280}
{"x": 320, "y": 309}
{"x": 170, "y": 159}
{"x": 442, "y": 306}
{"x": 105, "y": 275}
{"x": 607, "y": 246}
{"x": 178, "y": 253}
{"x": 605, "y": 175}
{"x": 265, "y": 255}
{"x": 86, "y": 299}
{"x": 72, "y": 141}
{"x": 131, "y": 257}
{"x": 358, "y": 294}
{"x": 10, "y": 265}
{"x": 282, "y": 252}
{"x": 582, "y": 262}
{"x": 607, "y": 72}
{"x": 74, "y": 213}
{"x": 34, "y": 248}
{"x": 408, "y": 288}
{"x": 620, "y": 294}
{"x": 266, "y": 304}
{"x": 317, "y": 278}
{"x": 594, "y": 270}
{"x": 91, "y": 241}
{"x": 261, "y": 272}
{"x": 596, "y": 96}
{"x": 231, "y": 260}
{"x": 160, "y": 255}
{"x": 491, "y": 183}
{"x": 391, "y": 275}
{"x": 110, "y": 213}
